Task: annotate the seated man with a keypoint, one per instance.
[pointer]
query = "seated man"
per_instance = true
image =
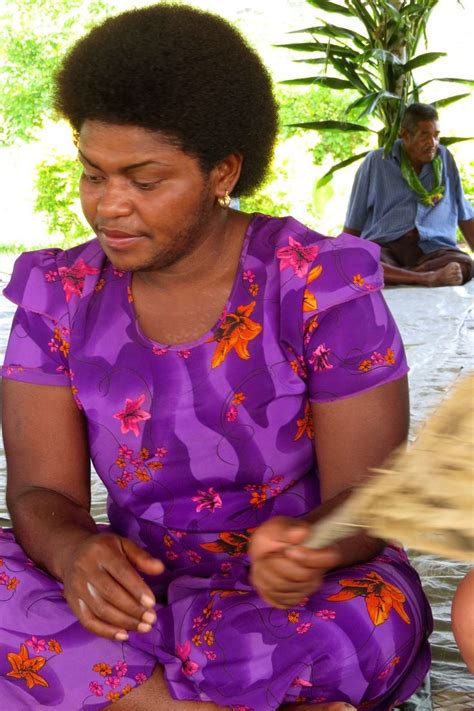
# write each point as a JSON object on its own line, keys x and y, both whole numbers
{"x": 410, "y": 203}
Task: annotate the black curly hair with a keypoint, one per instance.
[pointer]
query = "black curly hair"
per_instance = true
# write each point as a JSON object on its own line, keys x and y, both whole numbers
{"x": 183, "y": 72}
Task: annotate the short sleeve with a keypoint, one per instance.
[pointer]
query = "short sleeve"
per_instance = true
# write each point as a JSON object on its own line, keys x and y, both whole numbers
{"x": 37, "y": 350}
{"x": 465, "y": 210}
{"x": 38, "y": 346}
{"x": 355, "y": 347}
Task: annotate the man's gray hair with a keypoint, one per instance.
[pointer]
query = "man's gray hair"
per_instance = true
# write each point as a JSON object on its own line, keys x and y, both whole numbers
{"x": 418, "y": 112}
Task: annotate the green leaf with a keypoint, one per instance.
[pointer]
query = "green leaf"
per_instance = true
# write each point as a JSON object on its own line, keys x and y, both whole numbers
{"x": 381, "y": 55}
{"x": 331, "y": 82}
{"x": 376, "y": 100}
{"x": 330, "y": 7}
{"x": 332, "y": 126}
{"x": 328, "y": 176}
{"x": 421, "y": 60}
{"x": 449, "y": 100}
{"x": 301, "y": 46}
{"x": 470, "y": 82}
{"x": 449, "y": 140}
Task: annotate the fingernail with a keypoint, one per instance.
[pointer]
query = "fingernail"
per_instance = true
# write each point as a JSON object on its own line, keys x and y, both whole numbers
{"x": 149, "y": 617}
{"x": 147, "y": 600}
{"x": 121, "y": 636}
{"x": 143, "y": 627}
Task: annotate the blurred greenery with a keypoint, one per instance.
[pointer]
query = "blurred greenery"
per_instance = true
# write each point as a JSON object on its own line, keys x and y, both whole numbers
{"x": 34, "y": 35}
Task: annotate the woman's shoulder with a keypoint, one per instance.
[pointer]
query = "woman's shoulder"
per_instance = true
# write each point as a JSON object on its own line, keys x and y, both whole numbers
{"x": 47, "y": 280}
{"x": 336, "y": 269}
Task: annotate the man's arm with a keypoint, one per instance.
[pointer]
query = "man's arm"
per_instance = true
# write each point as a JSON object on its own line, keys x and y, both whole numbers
{"x": 357, "y": 210}
{"x": 467, "y": 229}
{"x": 351, "y": 231}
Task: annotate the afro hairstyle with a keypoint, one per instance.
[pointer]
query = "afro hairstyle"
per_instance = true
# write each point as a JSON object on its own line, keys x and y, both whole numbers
{"x": 183, "y": 72}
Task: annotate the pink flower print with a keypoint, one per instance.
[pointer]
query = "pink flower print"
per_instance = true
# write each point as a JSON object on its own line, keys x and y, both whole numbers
{"x": 207, "y": 500}
{"x": 187, "y": 666}
{"x": 193, "y": 556}
{"x": 297, "y": 257}
{"x": 51, "y": 276}
{"x": 326, "y": 614}
{"x": 140, "y": 678}
{"x": 304, "y": 627}
{"x": 132, "y": 415}
{"x": 217, "y": 615}
{"x": 212, "y": 656}
{"x": 121, "y": 668}
{"x": 303, "y": 602}
{"x": 198, "y": 622}
{"x": 320, "y": 358}
{"x": 159, "y": 351}
{"x": 96, "y": 689}
{"x": 301, "y": 682}
{"x": 172, "y": 555}
{"x": 226, "y": 567}
{"x": 118, "y": 273}
{"x": 184, "y": 354}
{"x": 248, "y": 276}
{"x": 38, "y": 645}
{"x": 161, "y": 452}
{"x": 384, "y": 674}
{"x": 53, "y": 346}
{"x": 113, "y": 681}
{"x": 231, "y": 414}
{"x": 73, "y": 278}
{"x": 377, "y": 358}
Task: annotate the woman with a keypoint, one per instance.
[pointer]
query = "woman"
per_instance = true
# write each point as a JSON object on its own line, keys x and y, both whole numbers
{"x": 187, "y": 350}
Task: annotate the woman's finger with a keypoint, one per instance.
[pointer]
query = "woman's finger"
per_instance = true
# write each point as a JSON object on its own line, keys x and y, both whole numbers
{"x": 120, "y": 610}
{"x": 97, "y": 626}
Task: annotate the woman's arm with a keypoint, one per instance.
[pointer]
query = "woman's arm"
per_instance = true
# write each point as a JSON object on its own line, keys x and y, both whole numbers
{"x": 48, "y": 496}
{"x": 352, "y": 435}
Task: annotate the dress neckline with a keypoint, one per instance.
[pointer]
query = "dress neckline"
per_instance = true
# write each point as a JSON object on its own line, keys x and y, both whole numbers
{"x": 206, "y": 337}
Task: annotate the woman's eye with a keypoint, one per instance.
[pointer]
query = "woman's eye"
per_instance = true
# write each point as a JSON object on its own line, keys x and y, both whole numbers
{"x": 92, "y": 178}
{"x": 145, "y": 186}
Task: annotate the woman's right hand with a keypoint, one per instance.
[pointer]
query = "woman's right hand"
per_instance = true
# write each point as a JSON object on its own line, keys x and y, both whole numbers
{"x": 103, "y": 588}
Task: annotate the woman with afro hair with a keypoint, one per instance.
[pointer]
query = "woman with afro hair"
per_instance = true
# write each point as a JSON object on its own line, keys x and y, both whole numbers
{"x": 231, "y": 377}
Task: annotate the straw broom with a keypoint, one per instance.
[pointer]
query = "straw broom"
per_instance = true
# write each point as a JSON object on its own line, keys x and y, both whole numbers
{"x": 423, "y": 496}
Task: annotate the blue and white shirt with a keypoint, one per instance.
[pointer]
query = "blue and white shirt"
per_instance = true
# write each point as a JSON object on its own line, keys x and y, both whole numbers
{"x": 383, "y": 207}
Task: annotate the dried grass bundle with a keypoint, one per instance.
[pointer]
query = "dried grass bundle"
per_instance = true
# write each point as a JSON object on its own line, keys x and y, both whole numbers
{"x": 423, "y": 496}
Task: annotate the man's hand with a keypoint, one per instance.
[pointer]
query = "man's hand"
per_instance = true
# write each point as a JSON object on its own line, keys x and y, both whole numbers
{"x": 283, "y": 571}
{"x": 104, "y": 590}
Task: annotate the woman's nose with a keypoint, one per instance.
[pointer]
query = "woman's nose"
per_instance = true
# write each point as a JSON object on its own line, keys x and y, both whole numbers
{"x": 113, "y": 200}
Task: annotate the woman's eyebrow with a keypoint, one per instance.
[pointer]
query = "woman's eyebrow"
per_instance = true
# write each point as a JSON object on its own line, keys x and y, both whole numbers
{"x": 125, "y": 169}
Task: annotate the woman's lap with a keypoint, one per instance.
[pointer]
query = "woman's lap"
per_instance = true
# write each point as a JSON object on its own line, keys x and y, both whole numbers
{"x": 354, "y": 640}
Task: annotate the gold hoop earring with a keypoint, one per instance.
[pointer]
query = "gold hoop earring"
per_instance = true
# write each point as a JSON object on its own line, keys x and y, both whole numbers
{"x": 224, "y": 201}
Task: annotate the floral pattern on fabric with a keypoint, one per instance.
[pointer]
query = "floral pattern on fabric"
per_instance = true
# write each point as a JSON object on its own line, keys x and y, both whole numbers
{"x": 197, "y": 446}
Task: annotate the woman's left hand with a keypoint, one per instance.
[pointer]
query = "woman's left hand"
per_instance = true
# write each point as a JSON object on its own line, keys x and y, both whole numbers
{"x": 283, "y": 571}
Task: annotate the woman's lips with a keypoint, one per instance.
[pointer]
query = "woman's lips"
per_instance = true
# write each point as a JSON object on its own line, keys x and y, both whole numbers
{"x": 117, "y": 240}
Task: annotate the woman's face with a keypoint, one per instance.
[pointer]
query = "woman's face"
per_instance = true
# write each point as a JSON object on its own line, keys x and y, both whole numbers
{"x": 149, "y": 203}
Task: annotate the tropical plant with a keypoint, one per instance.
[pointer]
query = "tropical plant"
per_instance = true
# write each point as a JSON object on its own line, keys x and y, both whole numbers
{"x": 374, "y": 54}
{"x": 33, "y": 36}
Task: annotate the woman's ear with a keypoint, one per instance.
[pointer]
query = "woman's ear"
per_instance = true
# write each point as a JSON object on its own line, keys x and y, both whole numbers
{"x": 226, "y": 174}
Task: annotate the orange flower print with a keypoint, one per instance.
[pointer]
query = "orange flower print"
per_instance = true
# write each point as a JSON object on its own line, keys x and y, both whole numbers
{"x": 390, "y": 357}
{"x": 13, "y": 583}
{"x": 293, "y": 617}
{"x": 24, "y": 667}
{"x": 305, "y": 424}
{"x": 235, "y": 332}
{"x": 142, "y": 474}
{"x": 238, "y": 398}
{"x": 113, "y": 696}
{"x": 380, "y": 597}
{"x": 358, "y": 280}
{"x": 314, "y": 273}
{"x": 102, "y": 669}
{"x": 309, "y": 301}
{"x": 234, "y": 543}
{"x": 365, "y": 365}
{"x": 209, "y": 637}
{"x": 54, "y": 646}
{"x": 129, "y": 295}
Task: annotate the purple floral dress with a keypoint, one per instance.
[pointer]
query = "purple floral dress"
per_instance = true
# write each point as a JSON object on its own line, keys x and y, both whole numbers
{"x": 198, "y": 444}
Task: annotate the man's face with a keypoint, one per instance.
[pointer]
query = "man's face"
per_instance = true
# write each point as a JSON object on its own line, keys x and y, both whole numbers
{"x": 422, "y": 144}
